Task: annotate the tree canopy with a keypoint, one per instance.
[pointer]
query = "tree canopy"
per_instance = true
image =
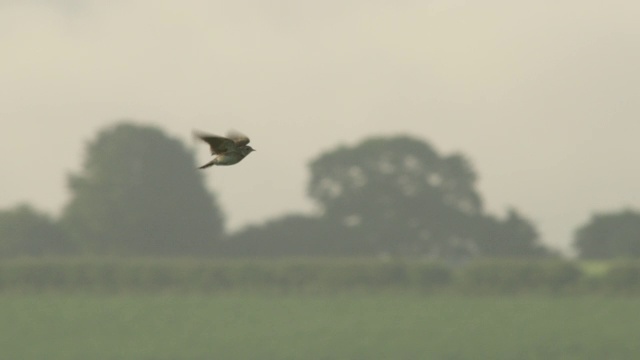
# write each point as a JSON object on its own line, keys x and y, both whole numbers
{"x": 25, "y": 231}
{"x": 139, "y": 193}
{"x": 610, "y": 235}
{"x": 290, "y": 235}
{"x": 398, "y": 195}
{"x": 513, "y": 236}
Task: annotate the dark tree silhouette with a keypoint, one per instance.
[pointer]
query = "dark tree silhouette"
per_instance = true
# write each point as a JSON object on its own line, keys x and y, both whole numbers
{"x": 398, "y": 195}
{"x": 291, "y": 235}
{"x": 139, "y": 193}
{"x": 610, "y": 235}
{"x": 513, "y": 236}
{"x": 24, "y": 231}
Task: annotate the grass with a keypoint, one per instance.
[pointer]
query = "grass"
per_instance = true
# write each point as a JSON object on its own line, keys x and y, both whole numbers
{"x": 382, "y": 326}
{"x": 595, "y": 268}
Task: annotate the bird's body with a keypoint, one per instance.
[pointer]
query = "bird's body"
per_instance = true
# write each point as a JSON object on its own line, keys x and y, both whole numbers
{"x": 227, "y": 150}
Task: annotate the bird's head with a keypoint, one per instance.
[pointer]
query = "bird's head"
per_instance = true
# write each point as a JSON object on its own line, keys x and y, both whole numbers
{"x": 248, "y": 149}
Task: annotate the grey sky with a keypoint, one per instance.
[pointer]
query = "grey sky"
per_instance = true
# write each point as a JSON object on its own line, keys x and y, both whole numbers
{"x": 542, "y": 96}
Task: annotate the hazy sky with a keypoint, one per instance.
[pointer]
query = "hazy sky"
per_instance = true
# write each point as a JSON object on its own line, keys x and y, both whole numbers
{"x": 543, "y": 96}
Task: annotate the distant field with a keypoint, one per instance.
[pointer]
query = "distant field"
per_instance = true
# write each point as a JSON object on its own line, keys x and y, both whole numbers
{"x": 400, "y": 326}
{"x": 595, "y": 268}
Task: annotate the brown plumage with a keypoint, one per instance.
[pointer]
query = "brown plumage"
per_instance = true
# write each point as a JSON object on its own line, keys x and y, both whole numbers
{"x": 227, "y": 150}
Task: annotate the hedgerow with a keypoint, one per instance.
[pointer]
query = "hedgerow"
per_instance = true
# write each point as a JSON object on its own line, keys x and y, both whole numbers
{"x": 488, "y": 277}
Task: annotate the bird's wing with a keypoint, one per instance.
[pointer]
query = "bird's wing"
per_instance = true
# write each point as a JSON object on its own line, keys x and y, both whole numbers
{"x": 218, "y": 144}
{"x": 238, "y": 138}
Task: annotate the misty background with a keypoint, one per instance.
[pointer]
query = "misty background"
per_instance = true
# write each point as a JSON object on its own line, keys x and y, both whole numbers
{"x": 542, "y": 97}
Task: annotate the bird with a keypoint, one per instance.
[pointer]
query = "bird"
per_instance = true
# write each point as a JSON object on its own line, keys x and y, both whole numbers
{"x": 228, "y": 150}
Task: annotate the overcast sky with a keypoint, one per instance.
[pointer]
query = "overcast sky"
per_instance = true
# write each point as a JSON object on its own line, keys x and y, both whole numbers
{"x": 542, "y": 96}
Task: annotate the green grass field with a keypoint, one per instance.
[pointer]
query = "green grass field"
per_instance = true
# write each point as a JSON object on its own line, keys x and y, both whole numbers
{"x": 381, "y": 326}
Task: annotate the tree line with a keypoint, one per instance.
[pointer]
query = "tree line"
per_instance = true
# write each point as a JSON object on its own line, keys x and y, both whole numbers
{"x": 139, "y": 193}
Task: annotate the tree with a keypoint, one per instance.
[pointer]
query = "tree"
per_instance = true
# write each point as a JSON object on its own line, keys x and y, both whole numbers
{"x": 24, "y": 231}
{"x": 513, "y": 236}
{"x": 398, "y": 195}
{"x": 139, "y": 193}
{"x": 291, "y": 235}
{"x": 610, "y": 235}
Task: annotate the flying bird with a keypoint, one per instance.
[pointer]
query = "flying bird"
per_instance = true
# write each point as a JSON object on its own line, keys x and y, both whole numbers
{"x": 227, "y": 150}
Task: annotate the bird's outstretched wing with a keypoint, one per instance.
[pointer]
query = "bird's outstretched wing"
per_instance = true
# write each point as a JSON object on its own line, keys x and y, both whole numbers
{"x": 218, "y": 144}
{"x": 238, "y": 138}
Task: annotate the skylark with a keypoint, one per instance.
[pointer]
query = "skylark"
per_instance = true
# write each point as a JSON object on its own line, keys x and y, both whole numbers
{"x": 227, "y": 150}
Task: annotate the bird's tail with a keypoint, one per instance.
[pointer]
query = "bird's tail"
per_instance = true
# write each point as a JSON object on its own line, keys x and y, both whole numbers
{"x": 209, "y": 164}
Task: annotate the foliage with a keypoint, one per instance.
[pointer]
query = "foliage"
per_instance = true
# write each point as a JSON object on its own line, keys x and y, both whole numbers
{"x": 313, "y": 275}
{"x": 399, "y": 196}
{"x": 610, "y": 235}
{"x": 24, "y": 231}
{"x": 191, "y": 275}
{"x": 139, "y": 193}
{"x": 510, "y": 276}
{"x": 622, "y": 277}
{"x": 512, "y": 237}
{"x": 291, "y": 235}
{"x": 301, "y": 275}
